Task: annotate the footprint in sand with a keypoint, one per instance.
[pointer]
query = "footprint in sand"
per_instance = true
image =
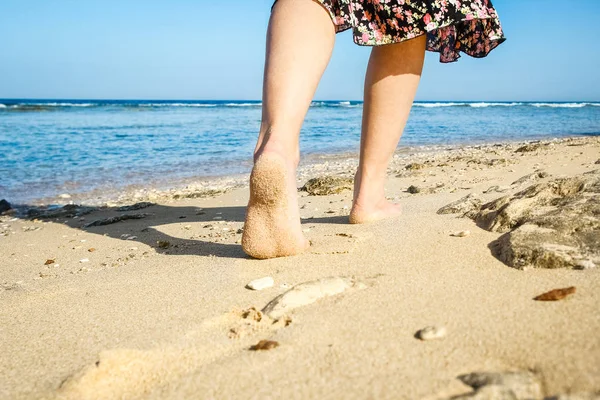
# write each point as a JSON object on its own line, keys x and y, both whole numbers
{"x": 133, "y": 373}
{"x": 339, "y": 243}
{"x": 308, "y": 293}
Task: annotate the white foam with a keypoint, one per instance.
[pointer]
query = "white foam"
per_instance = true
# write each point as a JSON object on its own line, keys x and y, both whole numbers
{"x": 62, "y": 104}
{"x": 560, "y": 105}
{"x": 484, "y": 104}
{"x": 433, "y": 105}
{"x": 344, "y": 103}
{"x": 2, "y": 105}
{"x": 243, "y": 104}
{"x": 176, "y": 105}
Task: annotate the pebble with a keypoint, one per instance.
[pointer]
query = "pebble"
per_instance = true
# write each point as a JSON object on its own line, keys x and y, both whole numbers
{"x": 460, "y": 233}
{"x": 413, "y": 189}
{"x": 261, "y": 283}
{"x": 264, "y": 345}
{"x": 431, "y": 333}
{"x": 84, "y": 260}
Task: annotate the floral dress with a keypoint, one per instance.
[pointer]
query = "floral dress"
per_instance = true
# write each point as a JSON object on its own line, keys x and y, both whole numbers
{"x": 452, "y": 26}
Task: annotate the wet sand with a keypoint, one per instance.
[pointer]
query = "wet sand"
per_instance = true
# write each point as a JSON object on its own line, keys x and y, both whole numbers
{"x": 156, "y": 306}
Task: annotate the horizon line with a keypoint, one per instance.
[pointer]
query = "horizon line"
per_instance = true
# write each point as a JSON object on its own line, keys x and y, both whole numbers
{"x": 260, "y": 100}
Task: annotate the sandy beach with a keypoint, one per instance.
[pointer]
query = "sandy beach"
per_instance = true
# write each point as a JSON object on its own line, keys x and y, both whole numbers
{"x": 146, "y": 296}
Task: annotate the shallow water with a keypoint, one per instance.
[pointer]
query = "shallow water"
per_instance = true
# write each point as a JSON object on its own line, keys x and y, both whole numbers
{"x": 54, "y": 146}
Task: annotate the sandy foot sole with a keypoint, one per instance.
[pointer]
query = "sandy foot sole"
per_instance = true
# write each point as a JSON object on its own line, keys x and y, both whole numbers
{"x": 272, "y": 227}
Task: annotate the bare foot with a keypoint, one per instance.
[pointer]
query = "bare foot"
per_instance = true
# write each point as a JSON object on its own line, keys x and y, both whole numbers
{"x": 383, "y": 209}
{"x": 272, "y": 227}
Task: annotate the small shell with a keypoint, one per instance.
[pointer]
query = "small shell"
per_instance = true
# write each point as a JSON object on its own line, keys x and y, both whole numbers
{"x": 262, "y": 283}
{"x": 461, "y": 233}
{"x": 431, "y": 333}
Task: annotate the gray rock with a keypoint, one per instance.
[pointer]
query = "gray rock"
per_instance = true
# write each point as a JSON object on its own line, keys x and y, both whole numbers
{"x": 201, "y": 194}
{"x": 326, "y": 185}
{"x": 114, "y": 220}
{"x": 522, "y": 385}
{"x": 528, "y": 147}
{"x": 68, "y": 211}
{"x": 496, "y": 188}
{"x": 413, "y": 189}
{"x": 4, "y": 206}
{"x": 467, "y": 206}
{"x": 510, "y": 211}
{"x": 550, "y": 225}
{"x": 530, "y": 178}
{"x": 414, "y": 166}
{"x": 136, "y": 206}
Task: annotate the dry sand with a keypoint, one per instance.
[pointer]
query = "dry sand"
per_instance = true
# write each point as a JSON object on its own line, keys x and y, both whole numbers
{"x": 160, "y": 308}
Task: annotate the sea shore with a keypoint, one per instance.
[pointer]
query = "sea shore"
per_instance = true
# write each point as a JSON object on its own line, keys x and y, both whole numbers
{"x": 145, "y": 295}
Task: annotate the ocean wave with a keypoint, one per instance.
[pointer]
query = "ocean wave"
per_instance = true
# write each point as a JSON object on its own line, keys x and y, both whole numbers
{"x": 484, "y": 104}
{"x": 59, "y": 104}
{"x": 243, "y": 104}
{"x": 171, "y": 105}
{"x": 560, "y": 105}
{"x": 49, "y": 106}
{"x": 44, "y": 106}
{"x": 434, "y": 105}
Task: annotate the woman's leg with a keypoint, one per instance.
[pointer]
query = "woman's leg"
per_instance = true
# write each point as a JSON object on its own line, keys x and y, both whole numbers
{"x": 391, "y": 82}
{"x": 300, "y": 40}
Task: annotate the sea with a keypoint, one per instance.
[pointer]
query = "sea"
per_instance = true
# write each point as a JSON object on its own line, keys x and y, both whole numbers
{"x": 50, "y": 147}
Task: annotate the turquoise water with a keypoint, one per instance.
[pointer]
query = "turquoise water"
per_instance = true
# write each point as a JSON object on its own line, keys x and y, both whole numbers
{"x": 55, "y": 146}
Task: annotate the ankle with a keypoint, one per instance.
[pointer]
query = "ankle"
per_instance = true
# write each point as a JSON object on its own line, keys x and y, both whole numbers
{"x": 368, "y": 190}
{"x": 291, "y": 154}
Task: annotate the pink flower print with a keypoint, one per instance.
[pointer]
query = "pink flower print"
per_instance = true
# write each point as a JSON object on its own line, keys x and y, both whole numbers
{"x": 427, "y": 19}
{"x": 378, "y": 35}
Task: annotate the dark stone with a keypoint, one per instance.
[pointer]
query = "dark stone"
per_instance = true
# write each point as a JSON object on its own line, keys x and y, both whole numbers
{"x": 4, "y": 206}
{"x": 326, "y": 185}
{"x": 413, "y": 189}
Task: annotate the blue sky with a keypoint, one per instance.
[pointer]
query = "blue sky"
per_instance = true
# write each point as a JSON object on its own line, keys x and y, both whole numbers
{"x": 205, "y": 49}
